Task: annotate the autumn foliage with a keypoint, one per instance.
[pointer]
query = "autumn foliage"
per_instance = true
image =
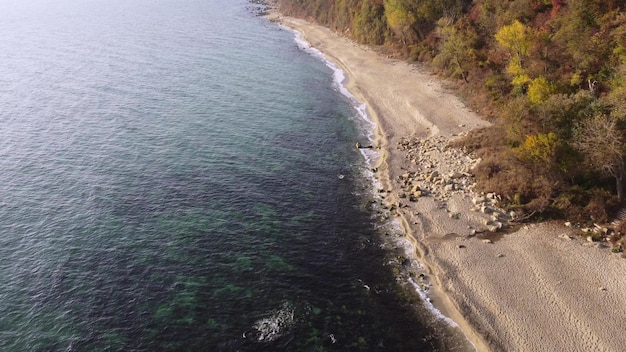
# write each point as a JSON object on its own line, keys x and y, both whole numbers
{"x": 550, "y": 74}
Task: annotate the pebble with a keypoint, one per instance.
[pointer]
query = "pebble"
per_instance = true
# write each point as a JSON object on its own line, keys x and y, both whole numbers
{"x": 566, "y": 236}
{"x": 494, "y": 227}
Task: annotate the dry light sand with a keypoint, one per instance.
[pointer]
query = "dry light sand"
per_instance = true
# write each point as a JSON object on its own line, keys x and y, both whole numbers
{"x": 531, "y": 290}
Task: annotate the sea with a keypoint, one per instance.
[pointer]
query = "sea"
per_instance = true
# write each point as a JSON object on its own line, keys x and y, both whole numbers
{"x": 181, "y": 175}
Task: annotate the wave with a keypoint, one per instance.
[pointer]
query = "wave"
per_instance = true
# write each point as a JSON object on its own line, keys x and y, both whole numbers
{"x": 339, "y": 79}
{"x": 276, "y": 325}
{"x": 370, "y": 155}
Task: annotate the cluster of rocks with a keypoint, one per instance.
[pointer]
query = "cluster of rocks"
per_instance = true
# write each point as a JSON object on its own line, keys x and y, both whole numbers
{"x": 433, "y": 168}
{"x": 598, "y": 235}
{"x": 497, "y": 218}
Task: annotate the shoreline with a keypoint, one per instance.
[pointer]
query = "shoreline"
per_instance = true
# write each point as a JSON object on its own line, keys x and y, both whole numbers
{"x": 537, "y": 288}
{"x": 438, "y": 298}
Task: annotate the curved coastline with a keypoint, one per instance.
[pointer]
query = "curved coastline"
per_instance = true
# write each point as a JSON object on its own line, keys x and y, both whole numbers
{"x": 539, "y": 288}
{"x": 381, "y": 139}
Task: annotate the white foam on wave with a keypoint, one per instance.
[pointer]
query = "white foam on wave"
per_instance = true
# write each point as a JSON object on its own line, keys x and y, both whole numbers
{"x": 438, "y": 315}
{"x": 339, "y": 78}
{"x": 421, "y": 291}
{"x": 275, "y": 325}
{"x": 430, "y": 306}
{"x": 370, "y": 155}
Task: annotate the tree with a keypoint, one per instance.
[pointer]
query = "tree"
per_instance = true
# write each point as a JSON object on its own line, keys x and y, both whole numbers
{"x": 518, "y": 39}
{"x": 456, "y": 51}
{"x": 601, "y": 140}
{"x": 369, "y": 24}
{"x": 540, "y": 148}
{"x": 540, "y": 89}
{"x": 399, "y": 18}
{"x": 515, "y": 37}
{"x": 547, "y": 154}
{"x": 412, "y": 20}
{"x": 616, "y": 98}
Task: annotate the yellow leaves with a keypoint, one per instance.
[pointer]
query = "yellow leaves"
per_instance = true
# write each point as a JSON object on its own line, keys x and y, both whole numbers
{"x": 576, "y": 79}
{"x": 398, "y": 15}
{"x": 515, "y": 37}
{"x": 518, "y": 39}
{"x": 520, "y": 80}
{"x": 515, "y": 69}
{"x": 547, "y": 151}
{"x": 539, "y": 90}
{"x": 539, "y": 148}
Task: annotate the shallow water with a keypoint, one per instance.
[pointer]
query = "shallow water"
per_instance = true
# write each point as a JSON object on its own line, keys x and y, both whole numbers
{"x": 179, "y": 175}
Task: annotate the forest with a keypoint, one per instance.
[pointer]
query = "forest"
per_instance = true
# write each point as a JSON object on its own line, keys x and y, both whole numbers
{"x": 549, "y": 74}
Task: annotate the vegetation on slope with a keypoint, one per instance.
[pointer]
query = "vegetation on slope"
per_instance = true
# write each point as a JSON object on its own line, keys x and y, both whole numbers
{"x": 551, "y": 74}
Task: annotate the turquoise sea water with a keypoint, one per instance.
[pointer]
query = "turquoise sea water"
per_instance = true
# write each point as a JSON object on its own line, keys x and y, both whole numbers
{"x": 180, "y": 175}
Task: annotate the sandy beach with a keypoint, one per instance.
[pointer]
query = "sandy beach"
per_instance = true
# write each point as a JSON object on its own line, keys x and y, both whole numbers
{"x": 538, "y": 288}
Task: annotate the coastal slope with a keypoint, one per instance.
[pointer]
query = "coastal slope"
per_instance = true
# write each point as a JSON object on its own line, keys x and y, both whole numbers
{"x": 535, "y": 288}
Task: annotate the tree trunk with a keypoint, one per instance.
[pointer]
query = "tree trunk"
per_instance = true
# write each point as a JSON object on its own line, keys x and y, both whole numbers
{"x": 593, "y": 87}
{"x": 620, "y": 172}
{"x": 619, "y": 183}
{"x": 458, "y": 64}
